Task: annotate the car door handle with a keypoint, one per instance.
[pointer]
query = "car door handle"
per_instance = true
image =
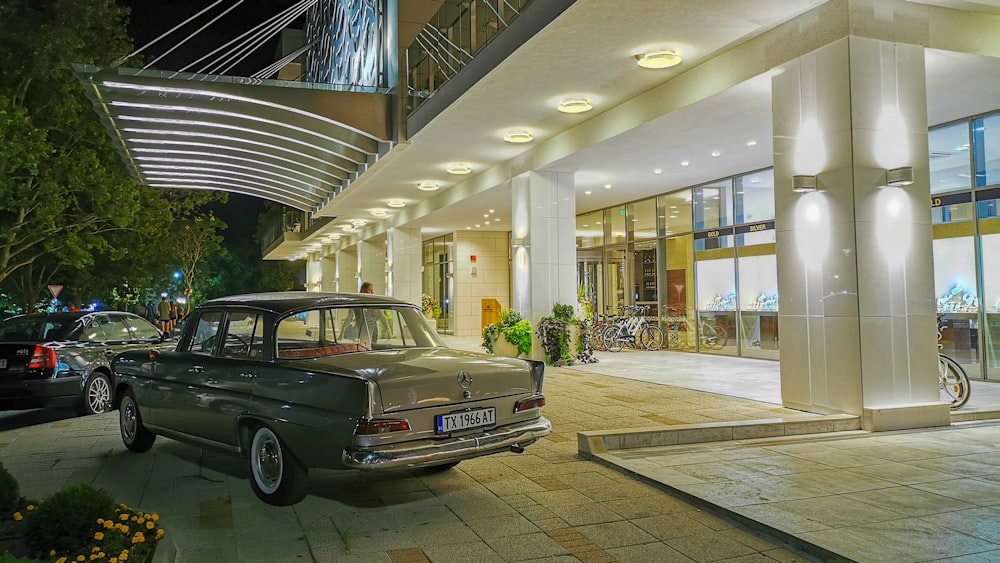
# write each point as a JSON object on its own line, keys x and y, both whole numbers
{"x": 196, "y": 369}
{"x": 109, "y": 352}
{"x": 248, "y": 375}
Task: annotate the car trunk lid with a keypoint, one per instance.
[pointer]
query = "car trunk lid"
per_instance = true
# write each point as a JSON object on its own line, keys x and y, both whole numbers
{"x": 435, "y": 377}
{"x": 15, "y": 358}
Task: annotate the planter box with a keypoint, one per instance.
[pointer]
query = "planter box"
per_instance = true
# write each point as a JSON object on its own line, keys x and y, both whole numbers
{"x": 504, "y": 348}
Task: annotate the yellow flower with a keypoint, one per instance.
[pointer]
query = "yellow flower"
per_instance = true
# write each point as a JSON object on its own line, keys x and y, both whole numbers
{"x": 124, "y": 517}
{"x": 100, "y": 520}
{"x": 99, "y": 536}
{"x": 93, "y": 557}
{"x": 155, "y": 517}
{"x": 109, "y": 524}
{"x": 134, "y": 518}
{"x": 17, "y": 516}
{"x": 96, "y": 549}
{"x": 113, "y": 560}
{"x": 61, "y": 560}
{"x": 31, "y": 507}
{"x": 123, "y": 506}
{"x": 80, "y": 558}
{"x": 101, "y": 555}
{"x": 125, "y": 529}
{"x": 141, "y": 520}
{"x": 52, "y": 552}
{"x": 159, "y": 533}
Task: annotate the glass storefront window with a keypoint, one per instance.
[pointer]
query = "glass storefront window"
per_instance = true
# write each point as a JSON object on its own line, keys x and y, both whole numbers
{"x": 590, "y": 230}
{"x": 677, "y": 298}
{"x": 950, "y": 158}
{"x": 755, "y": 208}
{"x": 675, "y": 213}
{"x": 437, "y": 278}
{"x": 615, "y": 260}
{"x": 986, "y": 139}
{"x": 758, "y": 300}
{"x": 644, "y": 278}
{"x": 716, "y": 329}
{"x": 713, "y": 215}
{"x": 614, "y": 225}
{"x": 642, "y": 217}
{"x": 956, "y": 291}
{"x": 590, "y": 276}
{"x": 991, "y": 295}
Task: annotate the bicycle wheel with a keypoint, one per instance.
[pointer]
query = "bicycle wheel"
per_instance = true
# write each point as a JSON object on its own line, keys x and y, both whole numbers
{"x": 597, "y": 337}
{"x": 612, "y": 339}
{"x": 651, "y": 337}
{"x": 953, "y": 381}
{"x": 709, "y": 336}
{"x": 722, "y": 337}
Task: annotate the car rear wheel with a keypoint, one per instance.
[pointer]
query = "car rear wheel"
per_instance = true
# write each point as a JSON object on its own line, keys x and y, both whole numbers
{"x": 277, "y": 478}
{"x": 96, "y": 395}
{"x": 135, "y": 436}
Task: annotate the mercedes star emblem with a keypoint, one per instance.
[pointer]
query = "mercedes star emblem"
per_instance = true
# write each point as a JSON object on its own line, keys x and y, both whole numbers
{"x": 464, "y": 379}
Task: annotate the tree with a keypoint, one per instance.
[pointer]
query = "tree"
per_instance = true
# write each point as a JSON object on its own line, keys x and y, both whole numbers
{"x": 61, "y": 184}
{"x": 190, "y": 246}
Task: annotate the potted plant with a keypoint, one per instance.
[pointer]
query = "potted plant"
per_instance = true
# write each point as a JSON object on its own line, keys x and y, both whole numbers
{"x": 431, "y": 309}
{"x": 564, "y": 339}
{"x": 509, "y": 337}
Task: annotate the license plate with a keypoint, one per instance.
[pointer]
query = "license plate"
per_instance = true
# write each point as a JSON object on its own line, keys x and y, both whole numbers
{"x": 466, "y": 419}
{"x": 3, "y": 364}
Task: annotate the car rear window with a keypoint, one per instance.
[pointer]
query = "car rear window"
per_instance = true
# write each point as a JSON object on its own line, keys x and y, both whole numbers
{"x": 37, "y": 329}
{"x": 341, "y": 330}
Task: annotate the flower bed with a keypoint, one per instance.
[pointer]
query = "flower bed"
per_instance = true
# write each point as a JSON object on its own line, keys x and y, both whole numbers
{"x": 75, "y": 524}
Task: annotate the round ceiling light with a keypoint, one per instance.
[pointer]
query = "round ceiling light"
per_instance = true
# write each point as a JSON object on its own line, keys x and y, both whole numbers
{"x": 347, "y": 228}
{"x": 459, "y": 169}
{"x": 359, "y": 222}
{"x": 518, "y": 136}
{"x": 575, "y": 105}
{"x": 427, "y": 186}
{"x": 659, "y": 59}
{"x": 379, "y": 212}
{"x": 396, "y": 203}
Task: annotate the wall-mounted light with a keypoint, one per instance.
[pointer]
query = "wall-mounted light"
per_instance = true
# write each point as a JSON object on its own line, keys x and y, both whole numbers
{"x": 898, "y": 177}
{"x": 658, "y": 59}
{"x": 804, "y": 184}
{"x": 519, "y": 136}
{"x": 518, "y": 242}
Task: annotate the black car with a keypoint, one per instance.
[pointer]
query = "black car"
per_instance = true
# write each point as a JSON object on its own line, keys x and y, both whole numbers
{"x": 64, "y": 359}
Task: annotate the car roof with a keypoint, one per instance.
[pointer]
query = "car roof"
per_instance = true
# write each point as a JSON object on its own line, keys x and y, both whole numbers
{"x": 68, "y": 316}
{"x": 283, "y": 302}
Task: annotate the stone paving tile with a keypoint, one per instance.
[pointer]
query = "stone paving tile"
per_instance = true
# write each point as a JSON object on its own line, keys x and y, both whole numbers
{"x": 525, "y": 547}
{"x": 615, "y": 534}
{"x": 975, "y": 491}
{"x": 709, "y": 548}
{"x": 474, "y": 552}
{"x": 982, "y": 523}
{"x": 909, "y": 501}
{"x": 648, "y": 552}
{"x": 912, "y": 539}
{"x": 671, "y": 526}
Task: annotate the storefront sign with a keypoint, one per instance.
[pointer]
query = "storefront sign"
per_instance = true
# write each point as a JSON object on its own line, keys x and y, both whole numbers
{"x": 755, "y": 227}
{"x": 953, "y": 199}
{"x": 713, "y": 233}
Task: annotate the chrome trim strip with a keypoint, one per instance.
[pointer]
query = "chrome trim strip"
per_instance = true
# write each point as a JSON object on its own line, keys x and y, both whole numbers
{"x": 425, "y": 453}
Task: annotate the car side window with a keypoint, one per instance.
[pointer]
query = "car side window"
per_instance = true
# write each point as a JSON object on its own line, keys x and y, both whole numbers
{"x": 93, "y": 332}
{"x": 141, "y": 329}
{"x": 114, "y": 328}
{"x": 243, "y": 336}
{"x": 204, "y": 337}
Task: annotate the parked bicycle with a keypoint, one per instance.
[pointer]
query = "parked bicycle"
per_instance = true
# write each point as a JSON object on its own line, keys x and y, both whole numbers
{"x": 633, "y": 329}
{"x": 952, "y": 379}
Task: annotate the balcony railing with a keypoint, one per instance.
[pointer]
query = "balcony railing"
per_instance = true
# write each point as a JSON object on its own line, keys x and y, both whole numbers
{"x": 451, "y": 39}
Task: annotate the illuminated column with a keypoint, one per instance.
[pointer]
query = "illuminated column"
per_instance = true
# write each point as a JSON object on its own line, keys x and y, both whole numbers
{"x": 347, "y": 270}
{"x": 314, "y": 273}
{"x": 371, "y": 264}
{"x": 403, "y": 261}
{"x": 543, "y": 241}
{"x": 328, "y": 266}
{"x": 855, "y": 276}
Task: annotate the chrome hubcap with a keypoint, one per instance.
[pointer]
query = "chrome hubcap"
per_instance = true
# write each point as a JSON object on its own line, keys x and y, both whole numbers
{"x": 128, "y": 419}
{"x": 267, "y": 461}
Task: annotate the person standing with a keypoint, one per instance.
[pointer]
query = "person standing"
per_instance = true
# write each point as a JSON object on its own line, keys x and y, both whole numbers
{"x": 368, "y": 287}
{"x": 163, "y": 314}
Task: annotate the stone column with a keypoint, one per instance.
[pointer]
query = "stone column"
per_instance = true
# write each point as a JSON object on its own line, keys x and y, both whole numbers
{"x": 371, "y": 263}
{"x": 314, "y": 273}
{"x": 855, "y": 272}
{"x": 328, "y": 265}
{"x": 403, "y": 261}
{"x": 543, "y": 243}
{"x": 347, "y": 270}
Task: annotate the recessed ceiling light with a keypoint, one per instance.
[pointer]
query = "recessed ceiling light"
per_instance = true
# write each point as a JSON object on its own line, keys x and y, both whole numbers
{"x": 486, "y": 215}
{"x": 497, "y": 219}
{"x": 518, "y": 136}
{"x": 335, "y": 236}
{"x": 347, "y": 228}
{"x": 684, "y": 163}
{"x": 607, "y": 186}
{"x": 359, "y": 222}
{"x": 487, "y": 222}
{"x": 491, "y": 211}
{"x": 468, "y": 228}
{"x": 716, "y": 153}
{"x": 598, "y": 222}
{"x": 396, "y": 203}
{"x": 575, "y": 105}
{"x": 477, "y": 225}
{"x": 427, "y": 186}
{"x": 379, "y": 212}
{"x": 588, "y": 192}
{"x": 657, "y": 171}
{"x": 751, "y": 143}
{"x": 673, "y": 207}
{"x": 659, "y": 59}
{"x": 459, "y": 169}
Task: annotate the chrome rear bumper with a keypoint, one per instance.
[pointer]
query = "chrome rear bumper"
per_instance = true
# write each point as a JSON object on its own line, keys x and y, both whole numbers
{"x": 426, "y": 453}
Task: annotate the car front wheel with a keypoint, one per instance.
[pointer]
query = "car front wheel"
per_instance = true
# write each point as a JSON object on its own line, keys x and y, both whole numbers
{"x": 96, "y": 394}
{"x": 135, "y": 436}
{"x": 277, "y": 478}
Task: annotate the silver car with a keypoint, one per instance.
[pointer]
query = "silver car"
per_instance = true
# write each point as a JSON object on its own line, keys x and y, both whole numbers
{"x": 298, "y": 380}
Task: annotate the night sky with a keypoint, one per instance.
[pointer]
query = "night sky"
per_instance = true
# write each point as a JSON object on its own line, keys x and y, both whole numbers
{"x": 152, "y": 18}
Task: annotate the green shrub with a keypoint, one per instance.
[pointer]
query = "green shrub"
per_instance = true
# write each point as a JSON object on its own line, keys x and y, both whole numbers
{"x": 515, "y": 329}
{"x": 10, "y": 494}
{"x": 67, "y": 518}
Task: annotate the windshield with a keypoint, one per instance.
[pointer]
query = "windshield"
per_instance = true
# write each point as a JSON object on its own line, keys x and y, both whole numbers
{"x": 341, "y": 330}
{"x": 35, "y": 329}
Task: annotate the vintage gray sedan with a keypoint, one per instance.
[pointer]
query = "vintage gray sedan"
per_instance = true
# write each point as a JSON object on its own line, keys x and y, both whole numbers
{"x": 329, "y": 380}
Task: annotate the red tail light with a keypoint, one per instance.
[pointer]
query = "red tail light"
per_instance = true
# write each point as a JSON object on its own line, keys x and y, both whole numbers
{"x": 536, "y": 402}
{"x": 369, "y": 427}
{"x": 42, "y": 358}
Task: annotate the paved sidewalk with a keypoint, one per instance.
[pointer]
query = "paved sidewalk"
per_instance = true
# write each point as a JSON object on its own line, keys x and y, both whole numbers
{"x": 545, "y": 504}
